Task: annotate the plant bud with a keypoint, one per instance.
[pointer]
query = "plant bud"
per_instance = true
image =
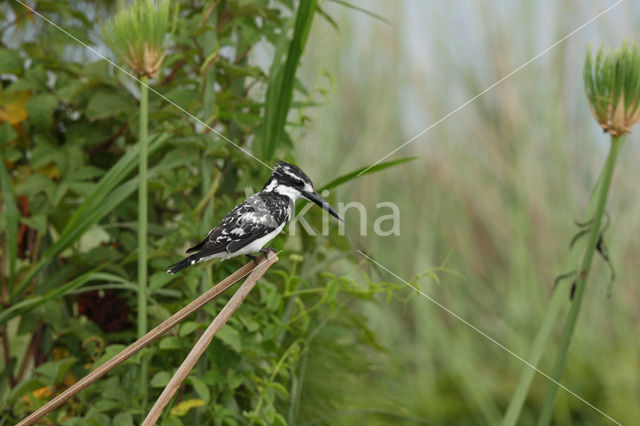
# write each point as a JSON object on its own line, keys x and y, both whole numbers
{"x": 612, "y": 84}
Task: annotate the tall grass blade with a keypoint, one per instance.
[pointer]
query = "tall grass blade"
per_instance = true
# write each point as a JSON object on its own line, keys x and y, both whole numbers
{"x": 340, "y": 180}
{"x": 25, "y": 306}
{"x": 365, "y": 11}
{"x": 11, "y": 210}
{"x": 100, "y": 194}
{"x": 282, "y": 80}
{"x": 367, "y": 170}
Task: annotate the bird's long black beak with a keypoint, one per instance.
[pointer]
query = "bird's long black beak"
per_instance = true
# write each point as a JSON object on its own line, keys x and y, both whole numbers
{"x": 316, "y": 198}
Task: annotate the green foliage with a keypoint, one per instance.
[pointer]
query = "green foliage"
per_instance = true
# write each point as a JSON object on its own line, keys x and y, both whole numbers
{"x": 70, "y": 149}
{"x": 105, "y": 195}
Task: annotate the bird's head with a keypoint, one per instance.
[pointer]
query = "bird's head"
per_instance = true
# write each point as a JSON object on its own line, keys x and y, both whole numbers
{"x": 289, "y": 180}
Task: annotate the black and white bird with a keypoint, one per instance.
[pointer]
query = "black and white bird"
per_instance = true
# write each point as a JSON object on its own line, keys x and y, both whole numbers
{"x": 257, "y": 220}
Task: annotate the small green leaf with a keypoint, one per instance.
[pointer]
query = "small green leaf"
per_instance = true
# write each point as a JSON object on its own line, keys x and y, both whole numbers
{"x": 160, "y": 379}
{"x": 200, "y": 387}
{"x": 102, "y": 406}
{"x": 158, "y": 280}
{"x": 24, "y": 388}
{"x": 279, "y": 387}
{"x": 10, "y": 62}
{"x": 187, "y": 328}
{"x": 123, "y": 419}
{"x": 182, "y": 96}
{"x": 231, "y": 337}
{"x": 23, "y": 84}
{"x": 332, "y": 290}
{"x": 55, "y": 371}
{"x": 38, "y": 77}
{"x": 99, "y": 70}
{"x": 7, "y": 134}
{"x": 158, "y": 312}
{"x": 251, "y": 324}
{"x": 170, "y": 343}
{"x": 41, "y": 108}
{"x": 110, "y": 352}
{"x": 109, "y": 103}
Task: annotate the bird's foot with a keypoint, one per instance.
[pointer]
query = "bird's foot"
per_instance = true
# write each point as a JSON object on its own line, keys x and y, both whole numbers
{"x": 266, "y": 251}
{"x": 253, "y": 257}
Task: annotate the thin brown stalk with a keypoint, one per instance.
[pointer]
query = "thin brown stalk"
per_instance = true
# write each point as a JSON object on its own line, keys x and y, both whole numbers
{"x": 136, "y": 346}
{"x": 204, "y": 341}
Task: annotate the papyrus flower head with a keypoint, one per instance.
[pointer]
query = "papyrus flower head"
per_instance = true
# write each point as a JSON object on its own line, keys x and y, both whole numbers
{"x": 137, "y": 35}
{"x": 612, "y": 83}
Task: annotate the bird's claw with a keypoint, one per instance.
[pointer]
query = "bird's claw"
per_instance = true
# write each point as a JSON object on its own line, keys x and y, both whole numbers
{"x": 266, "y": 251}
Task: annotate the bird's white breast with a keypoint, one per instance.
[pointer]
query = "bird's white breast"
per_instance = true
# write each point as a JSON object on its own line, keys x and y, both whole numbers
{"x": 259, "y": 243}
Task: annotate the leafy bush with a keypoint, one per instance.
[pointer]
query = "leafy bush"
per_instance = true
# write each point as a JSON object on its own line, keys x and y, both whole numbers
{"x": 68, "y": 138}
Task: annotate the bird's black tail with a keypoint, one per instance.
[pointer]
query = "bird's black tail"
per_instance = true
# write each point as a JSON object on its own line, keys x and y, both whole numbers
{"x": 184, "y": 263}
{"x": 198, "y": 246}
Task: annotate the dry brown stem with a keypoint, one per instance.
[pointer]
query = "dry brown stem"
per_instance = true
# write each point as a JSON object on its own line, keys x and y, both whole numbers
{"x": 136, "y": 346}
{"x": 204, "y": 341}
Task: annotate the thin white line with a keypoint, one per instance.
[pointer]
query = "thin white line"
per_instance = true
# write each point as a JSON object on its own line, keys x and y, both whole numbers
{"x": 493, "y": 85}
{"x": 476, "y": 329}
{"x": 139, "y": 81}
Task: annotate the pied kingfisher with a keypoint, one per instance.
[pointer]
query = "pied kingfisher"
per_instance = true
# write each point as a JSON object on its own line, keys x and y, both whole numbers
{"x": 257, "y": 220}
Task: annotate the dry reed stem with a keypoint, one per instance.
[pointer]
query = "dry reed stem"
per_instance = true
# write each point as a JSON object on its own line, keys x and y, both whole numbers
{"x": 201, "y": 345}
{"x": 136, "y": 346}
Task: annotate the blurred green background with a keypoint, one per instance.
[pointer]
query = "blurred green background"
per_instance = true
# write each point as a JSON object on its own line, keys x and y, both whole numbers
{"x": 497, "y": 185}
{"x": 487, "y": 208}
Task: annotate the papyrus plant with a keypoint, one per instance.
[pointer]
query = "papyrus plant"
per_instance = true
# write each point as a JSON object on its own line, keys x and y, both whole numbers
{"x": 137, "y": 35}
{"x": 612, "y": 86}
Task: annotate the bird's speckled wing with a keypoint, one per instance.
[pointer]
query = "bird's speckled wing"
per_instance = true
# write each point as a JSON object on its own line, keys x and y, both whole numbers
{"x": 256, "y": 217}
